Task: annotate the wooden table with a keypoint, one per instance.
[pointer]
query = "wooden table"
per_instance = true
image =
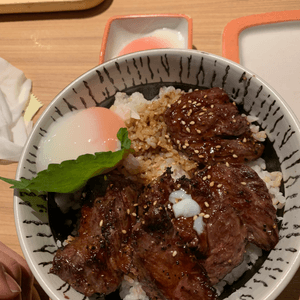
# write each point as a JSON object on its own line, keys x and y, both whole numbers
{"x": 53, "y": 49}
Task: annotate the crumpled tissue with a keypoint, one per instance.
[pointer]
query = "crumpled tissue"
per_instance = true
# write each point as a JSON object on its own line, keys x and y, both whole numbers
{"x": 14, "y": 95}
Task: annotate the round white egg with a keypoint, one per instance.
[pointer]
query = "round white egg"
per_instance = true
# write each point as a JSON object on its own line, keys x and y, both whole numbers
{"x": 79, "y": 132}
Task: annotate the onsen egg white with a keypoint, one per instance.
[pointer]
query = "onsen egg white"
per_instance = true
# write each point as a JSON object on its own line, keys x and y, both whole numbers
{"x": 76, "y": 133}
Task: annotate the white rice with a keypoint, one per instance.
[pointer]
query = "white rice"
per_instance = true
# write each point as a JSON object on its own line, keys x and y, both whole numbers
{"x": 131, "y": 289}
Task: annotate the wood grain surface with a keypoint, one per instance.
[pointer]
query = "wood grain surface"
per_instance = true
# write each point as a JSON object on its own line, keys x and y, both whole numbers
{"x": 53, "y": 49}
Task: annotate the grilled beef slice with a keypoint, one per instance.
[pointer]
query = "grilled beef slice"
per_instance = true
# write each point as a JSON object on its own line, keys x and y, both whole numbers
{"x": 96, "y": 260}
{"x": 207, "y": 127}
{"x": 240, "y": 187}
{"x": 237, "y": 209}
{"x": 164, "y": 265}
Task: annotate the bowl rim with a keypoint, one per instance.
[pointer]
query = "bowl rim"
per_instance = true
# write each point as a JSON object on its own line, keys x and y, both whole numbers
{"x": 291, "y": 269}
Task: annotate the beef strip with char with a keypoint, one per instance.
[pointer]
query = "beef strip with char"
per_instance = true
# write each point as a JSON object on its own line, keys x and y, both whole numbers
{"x": 207, "y": 127}
{"x": 223, "y": 240}
{"x": 238, "y": 209}
{"x": 96, "y": 260}
{"x": 164, "y": 265}
{"x": 240, "y": 187}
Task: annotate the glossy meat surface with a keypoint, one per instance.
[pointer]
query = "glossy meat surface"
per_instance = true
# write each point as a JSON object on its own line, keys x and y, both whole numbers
{"x": 207, "y": 127}
{"x": 167, "y": 265}
{"x": 240, "y": 187}
{"x": 237, "y": 209}
{"x": 97, "y": 259}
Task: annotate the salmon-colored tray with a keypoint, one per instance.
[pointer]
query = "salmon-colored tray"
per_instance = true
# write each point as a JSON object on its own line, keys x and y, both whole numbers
{"x": 269, "y": 45}
{"x": 28, "y": 6}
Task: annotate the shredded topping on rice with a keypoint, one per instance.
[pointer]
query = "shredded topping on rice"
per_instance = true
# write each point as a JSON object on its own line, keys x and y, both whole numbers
{"x": 153, "y": 150}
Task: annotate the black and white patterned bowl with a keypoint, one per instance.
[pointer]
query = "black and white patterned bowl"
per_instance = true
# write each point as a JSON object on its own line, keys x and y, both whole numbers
{"x": 146, "y": 72}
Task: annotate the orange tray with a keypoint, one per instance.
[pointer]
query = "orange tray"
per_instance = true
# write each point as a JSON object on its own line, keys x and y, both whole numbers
{"x": 233, "y": 29}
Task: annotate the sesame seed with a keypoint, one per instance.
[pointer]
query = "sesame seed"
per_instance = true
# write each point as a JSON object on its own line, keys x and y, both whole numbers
{"x": 154, "y": 203}
{"x": 244, "y": 140}
{"x": 205, "y": 96}
{"x": 101, "y": 223}
{"x": 135, "y": 204}
{"x": 196, "y": 151}
{"x": 192, "y": 122}
{"x": 229, "y": 260}
{"x": 208, "y": 176}
{"x": 234, "y": 120}
{"x": 124, "y": 231}
{"x": 190, "y": 112}
{"x": 210, "y": 114}
{"x": 128, "y": 211}
{"x": 204, "y": 178}
{"x": 145, "y": 206}
{"x": 183, "y": 122}
{"x": 206, "y": 204}
{"x": 184, "y": 146}
{"x": 174, "y": 253}
{"x": 187, "y": 129}
{"x": 200, "y": 156}
{"x": 195, "y": 102}
{"x": 219, "y": 185}
{"x": 218, "y": 146}
{"x": 143, "y": 222}
{"x": 184, "y": 106}
{"x": 190, "y": 101}
{"x": 202, "y": 113}
{"x": 234, "y": 156}
{"x": 195, "y": 217}
{"x": 212, "y": 184}
{"x": 167, "y": 136}
{"x": 243, "y": 183}
{"x": 212, "y": 106}
{"x": 234, "y": 103}
{"x": 178, "y": 142}
{"x": 206, "y": 216}
{"x": 209, "y": 167}
{"x": 227, "y": 164}
{"x": 179, "y": 101}
{"x": 169, "y": 105}
{"x": 201, "y": 214}
{"x": 198, "y": 104}
{"x": 178, "y": 185}
{"x": 134, "y": 214}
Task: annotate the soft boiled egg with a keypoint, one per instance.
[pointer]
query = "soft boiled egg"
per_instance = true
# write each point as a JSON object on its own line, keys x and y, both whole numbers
{"x": 76, "y": 133}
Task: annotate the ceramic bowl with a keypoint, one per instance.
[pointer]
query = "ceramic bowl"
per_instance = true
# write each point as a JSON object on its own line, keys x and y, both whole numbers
{"x": 146, "y": 72}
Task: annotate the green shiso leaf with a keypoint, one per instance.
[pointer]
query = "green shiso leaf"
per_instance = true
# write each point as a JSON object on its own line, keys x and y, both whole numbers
{"x": 71, "y": 175}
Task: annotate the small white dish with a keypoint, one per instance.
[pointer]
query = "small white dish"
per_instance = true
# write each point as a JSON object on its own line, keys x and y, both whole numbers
{"x": 168, "y": 30}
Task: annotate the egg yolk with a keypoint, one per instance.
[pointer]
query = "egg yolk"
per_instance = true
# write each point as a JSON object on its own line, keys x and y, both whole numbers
{"x": 76, "y": 133}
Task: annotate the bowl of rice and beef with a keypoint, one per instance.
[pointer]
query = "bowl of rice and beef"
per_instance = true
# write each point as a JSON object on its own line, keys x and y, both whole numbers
{"x": 205, "y": 204}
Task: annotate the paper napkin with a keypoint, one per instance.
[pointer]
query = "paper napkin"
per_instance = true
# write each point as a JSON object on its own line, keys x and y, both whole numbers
{"x": 14, "y": 95}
